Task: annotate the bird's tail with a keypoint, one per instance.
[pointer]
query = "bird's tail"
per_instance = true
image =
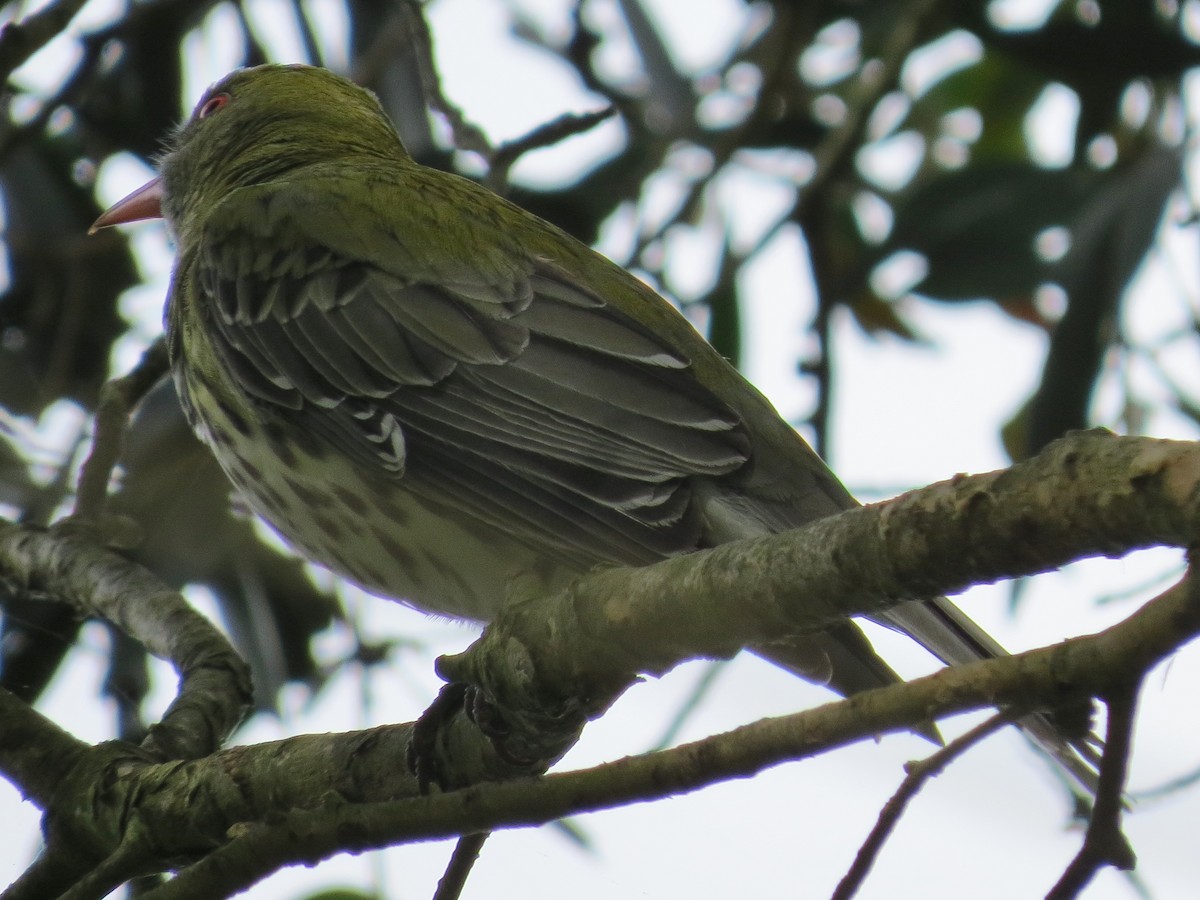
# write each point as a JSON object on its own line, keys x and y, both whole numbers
{"x": 948, "y": 633}
{"x": 842, "y": 657}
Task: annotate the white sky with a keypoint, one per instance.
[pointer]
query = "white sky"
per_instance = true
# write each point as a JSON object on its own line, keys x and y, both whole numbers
{"x": 991, "y": 827}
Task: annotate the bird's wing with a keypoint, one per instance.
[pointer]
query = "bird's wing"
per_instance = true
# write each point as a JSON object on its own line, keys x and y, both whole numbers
{"x": 493, "y": 381}
{"x": 492, "y": 378}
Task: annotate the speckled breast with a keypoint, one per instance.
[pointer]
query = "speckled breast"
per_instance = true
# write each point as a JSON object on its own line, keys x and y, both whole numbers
{"x": 363, "y": 526}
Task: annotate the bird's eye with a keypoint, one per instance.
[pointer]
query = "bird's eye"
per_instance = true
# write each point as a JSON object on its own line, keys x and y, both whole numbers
{"x": 212, "y": 104}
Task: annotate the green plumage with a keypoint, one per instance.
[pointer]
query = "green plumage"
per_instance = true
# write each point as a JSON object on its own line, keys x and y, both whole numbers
{"x": 435, "y": 393}
{"x": 451, "y": 345}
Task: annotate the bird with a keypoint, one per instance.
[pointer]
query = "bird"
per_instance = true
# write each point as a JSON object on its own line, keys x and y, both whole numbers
{"x": 436, "y": 394}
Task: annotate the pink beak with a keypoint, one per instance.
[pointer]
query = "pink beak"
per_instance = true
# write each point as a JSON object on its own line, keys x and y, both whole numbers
{"x": 144, "y": 203}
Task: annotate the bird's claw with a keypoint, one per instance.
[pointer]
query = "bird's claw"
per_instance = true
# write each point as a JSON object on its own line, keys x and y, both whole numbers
{"x": 422, "y": 756}
{"x": 425, "y": 757}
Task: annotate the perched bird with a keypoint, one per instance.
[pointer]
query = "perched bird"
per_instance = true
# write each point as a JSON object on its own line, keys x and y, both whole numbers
{"x": 432, "y": 392}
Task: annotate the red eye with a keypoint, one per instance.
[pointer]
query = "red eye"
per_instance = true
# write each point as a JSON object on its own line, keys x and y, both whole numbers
{"x": 212, "y": 104}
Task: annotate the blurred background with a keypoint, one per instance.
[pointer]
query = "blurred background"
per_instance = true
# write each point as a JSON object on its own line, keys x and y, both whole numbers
{"x": 937, "y": 234}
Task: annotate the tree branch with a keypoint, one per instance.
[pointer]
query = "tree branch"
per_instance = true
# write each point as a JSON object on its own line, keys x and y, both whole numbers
{"x": 118, "y": 397}
{"x": 1105, "y": 844}
{"x": 244, "y": 812}
{"x": 467, "y": 135}
{"x": 551, "y": 663}
{"x": 501, "y": 159}
{"x": 34, "y": 752}
{"x": 20, "y": 40}
{"x": 889, "y": 817}
{"x": 214, "y": 691}
{"x": 1095, "y": 664}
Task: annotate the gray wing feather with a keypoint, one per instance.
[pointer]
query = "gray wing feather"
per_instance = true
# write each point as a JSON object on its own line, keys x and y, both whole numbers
{"x": 528, "y": 403}
{"x": 591, "y": 328}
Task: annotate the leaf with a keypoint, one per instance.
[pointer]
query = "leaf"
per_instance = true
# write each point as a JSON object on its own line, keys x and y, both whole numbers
{"x": 976, "y": 227}
{"x": 875, "y": 315}
{"x": 1097, "y": 58}
{"x": 1111, "y": 235}
{"x": 999, "y": 90}
{"x": 58, "y": 318}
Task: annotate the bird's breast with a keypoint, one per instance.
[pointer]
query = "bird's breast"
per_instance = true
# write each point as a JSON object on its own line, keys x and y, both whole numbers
{"x": 369, "y": 529}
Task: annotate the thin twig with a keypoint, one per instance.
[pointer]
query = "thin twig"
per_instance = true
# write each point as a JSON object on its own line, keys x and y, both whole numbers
{"x": 20, "y": 40}
{"x": 1104, "y": 843}
{"x": 312, "y": 49}
{"x": 702, "y": 688}
{"x": 466, "y": 851}
{"x": 73, "y": 87}
{"x": 820, "y": 368}
{"x": 117, "y": 398}
{"x": 502, "y": 159}
{"x": 919, "y": 772}
{"x": 836, "y": 150}
{"x": 1167, "y": 788}
{"x": 467, "y": 135}
{"x": 84, "y": 78}
{"x": 795, "y": 30}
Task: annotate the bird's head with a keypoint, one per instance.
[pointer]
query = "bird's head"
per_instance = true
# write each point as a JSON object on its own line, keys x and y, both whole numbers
{"x": 252, "y": 127}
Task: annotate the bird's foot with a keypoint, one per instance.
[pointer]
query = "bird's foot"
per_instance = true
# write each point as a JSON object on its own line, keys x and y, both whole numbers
{"x": 423, "y": 756}
{"x": 429, "y": 747}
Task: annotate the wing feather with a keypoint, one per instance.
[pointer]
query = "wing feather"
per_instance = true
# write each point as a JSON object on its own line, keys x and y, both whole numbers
{"x": 594, "y": 329}
{"x": 512, "y": 394}
{"x": 398, "y": 356}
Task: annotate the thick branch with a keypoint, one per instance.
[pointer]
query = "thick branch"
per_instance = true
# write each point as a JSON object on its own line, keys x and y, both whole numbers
{"x": 550, "y": 663}
{"x": 323, "y": 793}
{"x": 214, "y": 689}
{"x": 317, "y": 794}
{"x": 1096, "y": 664}
{"x": 34, "y": 752}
